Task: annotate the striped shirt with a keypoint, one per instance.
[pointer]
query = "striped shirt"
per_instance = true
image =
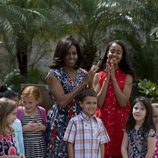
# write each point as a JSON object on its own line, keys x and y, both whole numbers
{"x": 34, "y": 142}
{"x": 86, "y": 134}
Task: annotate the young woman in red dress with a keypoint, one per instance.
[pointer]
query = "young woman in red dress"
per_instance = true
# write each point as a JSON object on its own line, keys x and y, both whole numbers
{"x": 113, "y": 85}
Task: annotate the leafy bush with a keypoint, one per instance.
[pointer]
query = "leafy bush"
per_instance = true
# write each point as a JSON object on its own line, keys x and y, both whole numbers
{"x": 149, "y": 89}
{"x": 14, "y": 79}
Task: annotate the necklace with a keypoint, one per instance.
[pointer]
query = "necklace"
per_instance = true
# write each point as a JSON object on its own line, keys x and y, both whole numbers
{"x": 71, "y": 76}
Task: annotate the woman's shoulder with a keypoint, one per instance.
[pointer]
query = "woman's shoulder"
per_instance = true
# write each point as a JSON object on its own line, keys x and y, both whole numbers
{"x": 100, "y": 74}
{"x": 54, "y": 71}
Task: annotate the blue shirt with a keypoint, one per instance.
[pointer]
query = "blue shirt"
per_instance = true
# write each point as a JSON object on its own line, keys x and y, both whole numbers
{"x": 19, "y": 136}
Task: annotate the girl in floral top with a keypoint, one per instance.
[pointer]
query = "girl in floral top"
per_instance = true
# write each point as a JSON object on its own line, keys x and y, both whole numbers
{"x": 7, "y": 117}
{"x": 138, "y": 140}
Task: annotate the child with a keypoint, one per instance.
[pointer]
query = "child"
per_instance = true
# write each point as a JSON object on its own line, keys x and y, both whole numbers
{"x": 33, "y": 118}
{"x": 85, "y": 133}
{"x": 155, "y": 119}
{"x": 138, "y": 140}
{"x": 8, "y": 110}
{"x": 10, "y": 94}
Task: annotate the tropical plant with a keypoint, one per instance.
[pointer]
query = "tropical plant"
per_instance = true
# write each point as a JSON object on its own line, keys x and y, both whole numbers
{"x": 22, "y": 21}
{"x": 137, "y": 19}
{"x": 14, "y": 79}
{"x": 148, "y": 88}
{"x": 154, "y": 34}
{"x": 89, "y": 20}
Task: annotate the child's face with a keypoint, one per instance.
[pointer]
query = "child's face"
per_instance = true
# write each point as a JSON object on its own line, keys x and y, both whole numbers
{"x": 11, "y": 117}
{"x": 139, "y": 112}
{"x": 89, "y": 105}
{"x": 30, "y": 103}
{"x": 155, "y": 115}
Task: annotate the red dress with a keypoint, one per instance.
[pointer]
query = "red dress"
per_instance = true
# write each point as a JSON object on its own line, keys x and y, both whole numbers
{"x": 112, "y": 115}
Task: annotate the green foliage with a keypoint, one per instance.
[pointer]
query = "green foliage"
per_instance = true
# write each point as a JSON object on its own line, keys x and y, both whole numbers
{"x": 149, "y": 89}
{"x": 14, "y": 79}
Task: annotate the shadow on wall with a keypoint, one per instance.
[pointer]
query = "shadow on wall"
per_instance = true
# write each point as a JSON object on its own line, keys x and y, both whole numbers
{"x": 47, "y": 102}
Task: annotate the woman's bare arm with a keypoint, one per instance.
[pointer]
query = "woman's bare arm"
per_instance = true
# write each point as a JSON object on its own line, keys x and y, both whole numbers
{"x": 101, "y": 91}
{"x": 58, "y": 92}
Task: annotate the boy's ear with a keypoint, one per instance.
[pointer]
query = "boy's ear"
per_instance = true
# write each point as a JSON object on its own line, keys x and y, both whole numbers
{"x": 80, "y": 104}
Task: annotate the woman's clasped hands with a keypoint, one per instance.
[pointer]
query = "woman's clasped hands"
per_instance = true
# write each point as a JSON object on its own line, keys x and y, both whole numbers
{"x": 110, "y": 66}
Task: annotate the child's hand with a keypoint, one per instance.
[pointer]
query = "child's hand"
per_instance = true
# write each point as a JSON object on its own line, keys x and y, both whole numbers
{"x": 38, "y": 127}
{"x": 32, "y": 126}
{"x": 28, "y": 127}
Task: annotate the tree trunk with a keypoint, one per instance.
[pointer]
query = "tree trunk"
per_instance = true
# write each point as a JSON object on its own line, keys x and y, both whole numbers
{"x": 22, "y": 48}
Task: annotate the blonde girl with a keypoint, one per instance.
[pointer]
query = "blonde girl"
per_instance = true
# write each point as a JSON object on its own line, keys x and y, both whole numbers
{"x": 8, "y": 109}
{"x": 33, "y": 118}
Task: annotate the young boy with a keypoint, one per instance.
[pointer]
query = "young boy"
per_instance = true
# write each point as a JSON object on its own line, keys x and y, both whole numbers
{"x": 85, "y": 133}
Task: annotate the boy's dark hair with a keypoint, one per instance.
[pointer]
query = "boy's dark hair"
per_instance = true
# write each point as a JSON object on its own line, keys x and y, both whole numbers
{"x": 87, "y": 93}
{"x": 148, "y": 122}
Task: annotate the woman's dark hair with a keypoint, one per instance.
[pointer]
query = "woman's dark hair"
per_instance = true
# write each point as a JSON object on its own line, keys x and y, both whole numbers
{"x": 7, "y": 92}
{"x": 148, "y": 122}
{"x": 124, "y": 64}
{"x": 86, "y": 93}
{"x": 61, "y": 51}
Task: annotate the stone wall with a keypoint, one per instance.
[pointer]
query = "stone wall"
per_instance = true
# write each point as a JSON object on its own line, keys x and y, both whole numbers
{"x": 42, "y": 64}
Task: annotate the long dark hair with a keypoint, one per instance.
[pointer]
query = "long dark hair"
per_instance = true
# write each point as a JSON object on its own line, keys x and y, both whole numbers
{"x": 148, "y": 122}
{"x": 61, "y": 51}
{"x": 124, "y": 64}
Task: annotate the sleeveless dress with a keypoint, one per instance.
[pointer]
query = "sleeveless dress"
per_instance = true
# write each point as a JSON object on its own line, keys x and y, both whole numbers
{"x": 7, "y": 145}
{"x": 137, "y": 146}
{"x": 113, "y": 116}
{"x": 58, "y": 118}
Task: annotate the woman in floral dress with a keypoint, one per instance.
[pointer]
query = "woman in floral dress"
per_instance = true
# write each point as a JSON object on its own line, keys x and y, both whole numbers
{"x": 65, "y": 79}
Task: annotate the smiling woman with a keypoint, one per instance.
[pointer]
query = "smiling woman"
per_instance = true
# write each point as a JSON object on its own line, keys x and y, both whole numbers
{"x": 113, "y": 85}
{"x": 65, "y": 79}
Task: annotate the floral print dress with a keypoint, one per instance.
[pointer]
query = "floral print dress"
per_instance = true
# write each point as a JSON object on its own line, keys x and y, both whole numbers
{"x": 137, "y": 147}
{"x": 7, "y": 145}
{"x": 58, "y": 118}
